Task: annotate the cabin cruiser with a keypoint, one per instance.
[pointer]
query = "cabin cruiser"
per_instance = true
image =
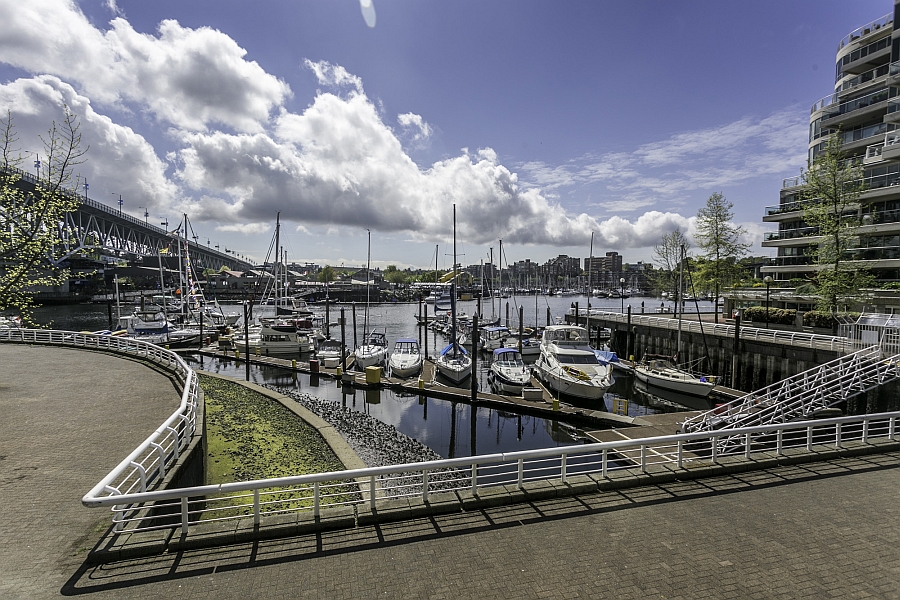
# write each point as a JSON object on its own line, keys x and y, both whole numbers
{"x": 531, "y": 346}
{"x": 406, "y": 359}
{"x": 373, "y": 352}
{"x": 508, "y": 372}
{"x": 568, "y": 365}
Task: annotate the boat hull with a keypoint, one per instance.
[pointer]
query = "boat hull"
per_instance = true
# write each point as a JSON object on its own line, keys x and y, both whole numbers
{"x": 405, "y": 367}
{"x": 693, "y": 387}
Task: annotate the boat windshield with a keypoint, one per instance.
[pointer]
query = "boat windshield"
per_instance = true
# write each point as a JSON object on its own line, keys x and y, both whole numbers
{"x": 568, "y": 335}
{"x": 406, "y": 348}
{"x": 577, "y": 359}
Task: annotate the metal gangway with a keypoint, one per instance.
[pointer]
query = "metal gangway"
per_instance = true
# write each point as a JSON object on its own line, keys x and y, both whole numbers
{"x": 800, "y": 397}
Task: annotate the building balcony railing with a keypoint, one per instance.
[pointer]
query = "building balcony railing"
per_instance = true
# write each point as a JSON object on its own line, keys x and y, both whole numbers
{"x": 790, "y": 234}
{"x": 871, "y": 75}
{"x": 822, "y": 103}
{"x": 784, "y": 208}
{"x": 866, "y": 29}
{"x": 873, "y": 182}
{"x": 860, "y": 103}
{"x": 790, "y": 182}
{"x": 792, "y": 261}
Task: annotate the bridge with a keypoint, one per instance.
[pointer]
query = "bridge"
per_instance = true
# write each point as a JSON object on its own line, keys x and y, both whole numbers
{"x": 95, "y": 226}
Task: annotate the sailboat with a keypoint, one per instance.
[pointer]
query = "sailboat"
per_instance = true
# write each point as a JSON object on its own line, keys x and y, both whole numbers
{"x": 454, "y": 363}
{"x": 373, "y": 351}
{"x": 661, "y": 371}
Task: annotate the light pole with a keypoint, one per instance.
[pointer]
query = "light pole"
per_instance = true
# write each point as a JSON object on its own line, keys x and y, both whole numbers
{"x": 146, "y": 215}
{"x": 37, "y": 166}
{"x": 85, "y": 188}
{"x": 622, "y": 283}
{"x": 120, "y": 202}
{"x": 768, "y": 280}
{"x": 165, "y": 223}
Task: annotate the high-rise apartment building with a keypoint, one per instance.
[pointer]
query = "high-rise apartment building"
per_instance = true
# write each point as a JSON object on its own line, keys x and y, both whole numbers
{"x": 864, "y": 110}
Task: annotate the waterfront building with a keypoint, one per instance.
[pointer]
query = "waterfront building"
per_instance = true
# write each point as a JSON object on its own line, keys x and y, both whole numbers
{"x": 864, "y": 109}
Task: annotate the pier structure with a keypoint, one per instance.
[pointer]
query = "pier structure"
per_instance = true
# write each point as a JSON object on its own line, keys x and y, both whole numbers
{"x": 584, "y": 533}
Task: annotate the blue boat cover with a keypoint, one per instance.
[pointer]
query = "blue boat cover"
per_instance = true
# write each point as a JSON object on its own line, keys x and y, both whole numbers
{"x": 449, "y": 349}
{"x": 605, "y": 357}
{"x": 500, "y": 351}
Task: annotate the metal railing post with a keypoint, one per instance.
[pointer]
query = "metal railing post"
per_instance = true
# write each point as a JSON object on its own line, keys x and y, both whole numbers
{"x": 747, "y": 445}
{"x": 892, "y": 424}
{"x": 643, "y": 458}
{"x": 474, "y": 479}
{"x": 809, "y": 431}
{"x": 779, "y": 445}
{"x": 372, "y": 492}
{"x": 715, "y": 449}
{"x": 837, "y": 436}
{"x": 521, "y": 472}
{"x": 425, "y": 486}
{"x": 256, "y": 506}
{"x": 316, "y": 499}
{"x": 563, "y": 468}
{"x": 184, "y": 515}
{"x": 604, "y": 462}
{"x": 680, "y": 453}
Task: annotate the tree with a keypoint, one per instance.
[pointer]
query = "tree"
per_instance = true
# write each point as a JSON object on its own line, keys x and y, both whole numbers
{"x": 31, "y": 220}
{"x": 667, "y": 256}
{"x": 832, "y": 187}
{"x": 720, "y": 242}
{"x": 394, "y": 275}
{"x": 326, "y": 275}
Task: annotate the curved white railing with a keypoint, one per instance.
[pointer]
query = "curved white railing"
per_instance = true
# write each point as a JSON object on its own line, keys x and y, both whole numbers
{"x": 151, "y": 459}
{"x": 186, "y": 507}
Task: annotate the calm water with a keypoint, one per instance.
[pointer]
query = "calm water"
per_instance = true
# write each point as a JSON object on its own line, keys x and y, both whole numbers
{"x": 445, "y": 427}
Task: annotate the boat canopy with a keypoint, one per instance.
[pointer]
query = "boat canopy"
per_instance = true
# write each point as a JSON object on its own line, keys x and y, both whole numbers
{"x": 407, "y": 340}
{"x": 449, "y": 349}
{"x": 501, "y": 328}
{"x": 501, "y": 351}
{"x": 605, "y": 357}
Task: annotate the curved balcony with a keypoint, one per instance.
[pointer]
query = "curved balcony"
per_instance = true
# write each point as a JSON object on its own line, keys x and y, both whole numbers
{"x": 790, "y": 234}
{"x": 857, "y": 109}
{"x": 870, "y": 76}
{"x": 867, "y": 29}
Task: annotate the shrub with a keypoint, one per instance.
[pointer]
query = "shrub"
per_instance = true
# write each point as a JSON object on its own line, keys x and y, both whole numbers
{"x": 780, "y": 316}
{"x": 818, "y": 318}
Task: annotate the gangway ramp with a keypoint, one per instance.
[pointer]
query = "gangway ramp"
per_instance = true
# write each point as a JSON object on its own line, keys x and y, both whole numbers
{"x": 799, "y": 397}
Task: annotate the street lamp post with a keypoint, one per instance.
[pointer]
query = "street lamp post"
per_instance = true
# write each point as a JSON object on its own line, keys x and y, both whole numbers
{"x": 37, "y": 166}
{"x": 622, "y": 283}
{"x": 86, "y": 188}
{"x": 146, "y": 215}
{"x": 120, "y": 202}
{"x": 768, "y": 280}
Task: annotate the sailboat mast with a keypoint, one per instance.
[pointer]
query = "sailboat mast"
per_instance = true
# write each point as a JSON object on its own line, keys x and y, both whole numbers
{"x": 493, "y": 315}
{"x": 679, "y": 304}
{"x": 368, "y": 261}
{"x": 587, "y": 321}
{"x": 500, "y": 273}
{"x": 276, "y": 270}
{"x": 453, "y": 289}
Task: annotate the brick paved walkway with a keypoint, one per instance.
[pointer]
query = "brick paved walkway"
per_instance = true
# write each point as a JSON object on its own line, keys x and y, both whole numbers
{"x": 818, "y": 530}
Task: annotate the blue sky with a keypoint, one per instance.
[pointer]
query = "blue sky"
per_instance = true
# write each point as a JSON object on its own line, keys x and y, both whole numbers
{"x": 543, "y": 121}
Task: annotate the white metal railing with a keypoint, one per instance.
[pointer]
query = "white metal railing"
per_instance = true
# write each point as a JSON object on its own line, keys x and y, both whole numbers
{"x": 149, "y": 462}
{"x": 774, "y": 336}
{"x": 799, "y": 396}
{"x": 186, "y": 507}
{"x": 866, "y": 29}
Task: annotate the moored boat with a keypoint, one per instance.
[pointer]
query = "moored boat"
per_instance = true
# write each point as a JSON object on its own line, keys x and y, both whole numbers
{"x": 508, "y": 372}
{"x": 406, "y": 359}
{"x": 568, "y": 365}
{"x": 661, "y": 372}
{"x": 373, "y": 352}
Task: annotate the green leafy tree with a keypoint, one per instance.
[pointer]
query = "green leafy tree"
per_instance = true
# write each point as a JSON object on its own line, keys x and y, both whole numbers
{"x": 832, "y": 187}
{"x": 720, "y": 242}
{"x": 30, "y": 219}
{"x": 667, "y": 257}
{"x": 394, "y": 275}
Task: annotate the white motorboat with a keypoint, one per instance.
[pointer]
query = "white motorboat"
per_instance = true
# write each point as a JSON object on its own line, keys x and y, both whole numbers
{"x": 568, "y": 365}
{"x": 508, "y": 372}
{"x": 406, "y": 359}
{"x": 373, "y": 352}
{"x": 662, "y": 372}
{"x": 493, "y": 337}
{"x": 329, "y": 353}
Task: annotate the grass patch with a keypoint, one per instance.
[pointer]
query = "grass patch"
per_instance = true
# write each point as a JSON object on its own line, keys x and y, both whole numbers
{"x": 250, "y": 436}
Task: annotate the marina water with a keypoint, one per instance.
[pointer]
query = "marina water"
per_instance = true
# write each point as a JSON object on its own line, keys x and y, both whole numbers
{"x": 445, "y": 427}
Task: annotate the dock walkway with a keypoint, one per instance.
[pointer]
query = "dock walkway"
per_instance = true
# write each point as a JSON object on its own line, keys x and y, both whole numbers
{"x": 815, "y": 530}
